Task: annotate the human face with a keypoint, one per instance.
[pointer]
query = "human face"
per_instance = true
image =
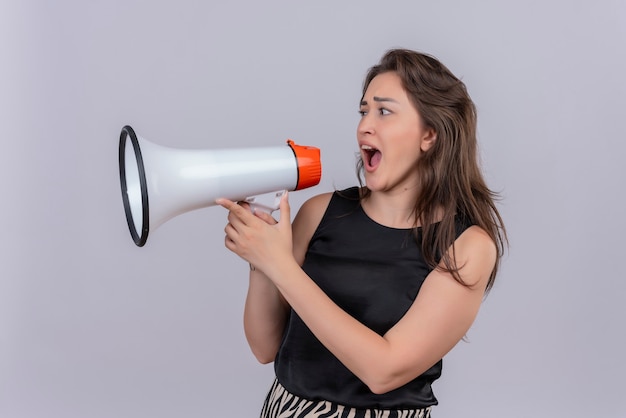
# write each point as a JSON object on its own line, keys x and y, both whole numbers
{"x": 391, "y": 135}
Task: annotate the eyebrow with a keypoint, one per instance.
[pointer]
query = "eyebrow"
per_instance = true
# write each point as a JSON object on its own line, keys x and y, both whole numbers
{"x": 379, "y": 99}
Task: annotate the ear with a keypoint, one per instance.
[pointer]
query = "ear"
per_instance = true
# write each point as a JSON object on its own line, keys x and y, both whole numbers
{"x": 428, "y": 140}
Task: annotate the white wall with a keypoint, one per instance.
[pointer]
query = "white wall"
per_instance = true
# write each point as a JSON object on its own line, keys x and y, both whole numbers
{"x": 92, "y": 326}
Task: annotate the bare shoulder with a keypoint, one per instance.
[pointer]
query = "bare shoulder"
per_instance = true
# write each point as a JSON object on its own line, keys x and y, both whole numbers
{"x": 311, "y": 213}
{"x": 476, "y": 253}
{"x": 315, "y": 206}
{"x": 306, "y": 222}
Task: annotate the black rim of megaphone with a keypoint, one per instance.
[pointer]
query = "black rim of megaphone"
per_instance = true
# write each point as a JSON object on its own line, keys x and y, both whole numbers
{"x": 140, "y": 239}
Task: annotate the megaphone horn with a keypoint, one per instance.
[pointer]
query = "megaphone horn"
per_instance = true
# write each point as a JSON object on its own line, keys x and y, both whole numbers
{"x": 159, "y": 183}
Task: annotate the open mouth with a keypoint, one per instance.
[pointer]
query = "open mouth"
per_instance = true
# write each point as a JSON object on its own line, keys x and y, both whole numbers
{"x": 371, "y": 156}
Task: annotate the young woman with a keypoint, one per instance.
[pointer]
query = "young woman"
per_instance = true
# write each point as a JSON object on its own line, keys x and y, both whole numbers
{"x": 360, "y": 298}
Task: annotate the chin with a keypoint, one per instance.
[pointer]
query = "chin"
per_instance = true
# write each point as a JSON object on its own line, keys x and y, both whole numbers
{"x": 372, "y": 185}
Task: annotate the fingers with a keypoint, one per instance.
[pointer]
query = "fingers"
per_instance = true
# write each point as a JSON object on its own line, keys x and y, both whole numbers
{"x": 225, "y": 203}
{"x": 231, "y": 206}
{"x": 236, "y": 230}
{"x": 230, "y": 244}
{"x": 248, "y": 237}
{"x": 264, "y": 216}
{"x": 285, "y": 209}
{"x": 245, "y": 205}
{"x": 237, "y": 212}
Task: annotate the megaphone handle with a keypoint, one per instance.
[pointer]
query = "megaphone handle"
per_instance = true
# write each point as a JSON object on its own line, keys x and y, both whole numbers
{"x": 268, "y": 202}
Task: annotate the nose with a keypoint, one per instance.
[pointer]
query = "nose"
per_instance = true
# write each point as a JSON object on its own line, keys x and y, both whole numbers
{"x": 366, "y": 125}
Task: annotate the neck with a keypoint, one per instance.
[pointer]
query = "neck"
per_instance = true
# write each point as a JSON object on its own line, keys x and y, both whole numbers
{"x": 395, "y": 209}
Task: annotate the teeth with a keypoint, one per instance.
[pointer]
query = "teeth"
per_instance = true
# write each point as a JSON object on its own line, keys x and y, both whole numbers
{"x": 366, "y": 148}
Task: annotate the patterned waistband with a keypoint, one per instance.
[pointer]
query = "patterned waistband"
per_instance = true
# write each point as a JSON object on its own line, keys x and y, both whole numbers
{"x": 281, "y": 403}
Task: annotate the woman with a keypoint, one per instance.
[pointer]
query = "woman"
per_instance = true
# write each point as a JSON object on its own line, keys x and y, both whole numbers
{"x": 358, "y": 301}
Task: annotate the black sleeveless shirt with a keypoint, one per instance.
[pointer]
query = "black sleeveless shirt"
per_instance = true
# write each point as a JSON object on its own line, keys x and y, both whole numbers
{"x": 372, "y": 272}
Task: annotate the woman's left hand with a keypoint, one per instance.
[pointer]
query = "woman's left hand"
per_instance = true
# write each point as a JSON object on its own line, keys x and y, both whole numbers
{"x": 251, "y": 237}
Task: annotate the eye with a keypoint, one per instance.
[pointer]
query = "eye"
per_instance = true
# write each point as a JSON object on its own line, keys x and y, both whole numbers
{"x": 384, "y": 111}
{"x": 362, "y": 112}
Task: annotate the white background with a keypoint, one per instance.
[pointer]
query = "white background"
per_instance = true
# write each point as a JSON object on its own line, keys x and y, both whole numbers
{"x": 93, "y": 326}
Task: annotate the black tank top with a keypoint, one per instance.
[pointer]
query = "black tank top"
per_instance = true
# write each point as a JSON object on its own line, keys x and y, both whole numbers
{"x": 374, "y": 273}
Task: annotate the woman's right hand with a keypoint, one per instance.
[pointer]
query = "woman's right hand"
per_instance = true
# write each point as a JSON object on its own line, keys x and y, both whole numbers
{"x": 264, "y": 216}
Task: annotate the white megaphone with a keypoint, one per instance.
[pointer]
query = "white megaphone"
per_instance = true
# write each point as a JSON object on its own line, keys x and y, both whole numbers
{"x": 159, "y": 183}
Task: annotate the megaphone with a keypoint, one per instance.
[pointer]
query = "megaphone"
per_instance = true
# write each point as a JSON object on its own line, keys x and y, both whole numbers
{"x": 159, "y": 183}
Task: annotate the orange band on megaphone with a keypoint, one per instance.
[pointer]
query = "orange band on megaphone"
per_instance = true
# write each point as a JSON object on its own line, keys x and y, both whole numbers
{"x": 309, "y": 165}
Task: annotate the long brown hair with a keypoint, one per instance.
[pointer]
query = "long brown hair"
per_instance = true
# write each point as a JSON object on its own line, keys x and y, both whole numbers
{"x": 449, "y": 173}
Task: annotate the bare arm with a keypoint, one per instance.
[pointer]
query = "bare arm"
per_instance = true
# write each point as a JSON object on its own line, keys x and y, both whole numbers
{"x": 266, "y": 310}
{"x": 264, "y": 318}
{"x": 440, "y": 316}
